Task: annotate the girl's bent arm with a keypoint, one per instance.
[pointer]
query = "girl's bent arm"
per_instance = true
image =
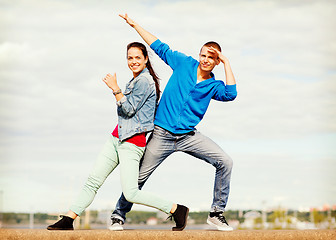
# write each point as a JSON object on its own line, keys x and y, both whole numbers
{"x": 111, "y": 82}
{"x": 132, "y": 102}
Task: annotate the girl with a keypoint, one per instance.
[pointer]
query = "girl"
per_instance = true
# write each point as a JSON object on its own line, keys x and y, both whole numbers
{"x": 125, "y": 147}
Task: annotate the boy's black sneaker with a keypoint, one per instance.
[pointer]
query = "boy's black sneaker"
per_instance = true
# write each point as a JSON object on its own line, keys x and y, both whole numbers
{"x": 116, "y": 223}
{"x": 218, "y": 220}
{"x": 66, "y": 223}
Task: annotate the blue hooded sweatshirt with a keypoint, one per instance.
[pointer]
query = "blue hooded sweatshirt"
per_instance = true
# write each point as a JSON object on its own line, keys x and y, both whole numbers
{"x": 184, "y": 101}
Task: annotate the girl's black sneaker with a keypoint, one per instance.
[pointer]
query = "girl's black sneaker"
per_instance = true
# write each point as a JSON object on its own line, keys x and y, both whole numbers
{"x": 66, "y": 223}
{"x": 180, "y": 217}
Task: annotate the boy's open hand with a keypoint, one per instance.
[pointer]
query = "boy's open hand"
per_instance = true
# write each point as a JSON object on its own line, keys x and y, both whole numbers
{"x": 220, "y": 56}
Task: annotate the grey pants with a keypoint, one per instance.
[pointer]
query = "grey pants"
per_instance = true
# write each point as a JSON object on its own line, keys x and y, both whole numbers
{"x": 163, "y": 143}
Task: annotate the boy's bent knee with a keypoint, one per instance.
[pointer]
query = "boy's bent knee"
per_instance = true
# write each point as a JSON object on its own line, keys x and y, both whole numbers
{"x": 226, "y": 163}
{"x": 229, "y": 162}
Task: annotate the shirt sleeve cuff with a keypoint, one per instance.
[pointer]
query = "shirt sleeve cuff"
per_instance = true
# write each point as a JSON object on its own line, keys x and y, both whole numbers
{"x": 155, "y": 44}
{"x": 121, "y": 101}
{"x": 231, "y": 88}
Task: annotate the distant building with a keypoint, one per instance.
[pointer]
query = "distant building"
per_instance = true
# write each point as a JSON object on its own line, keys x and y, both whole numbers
{"x": 104, "y": 216}
{"x": 152, "y": 221}
{"x": 250, "y": 218}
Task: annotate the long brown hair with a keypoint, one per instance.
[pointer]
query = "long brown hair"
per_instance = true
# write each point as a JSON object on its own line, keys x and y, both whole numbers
{"x": 144, "y": 51}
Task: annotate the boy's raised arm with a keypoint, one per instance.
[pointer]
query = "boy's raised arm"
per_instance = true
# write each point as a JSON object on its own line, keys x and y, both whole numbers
{"x": 230, "y": 79}
{"x": 146, "y": 36}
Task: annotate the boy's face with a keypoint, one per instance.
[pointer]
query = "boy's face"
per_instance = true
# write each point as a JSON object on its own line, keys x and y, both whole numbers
{"x": 208, "y": 60}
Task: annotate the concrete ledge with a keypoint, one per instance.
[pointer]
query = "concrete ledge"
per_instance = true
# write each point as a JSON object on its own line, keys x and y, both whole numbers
{"x": 14, "y": 234}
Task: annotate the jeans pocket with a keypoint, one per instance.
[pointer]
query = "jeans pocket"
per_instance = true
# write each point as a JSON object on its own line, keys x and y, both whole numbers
{"x": 159, "y": 131}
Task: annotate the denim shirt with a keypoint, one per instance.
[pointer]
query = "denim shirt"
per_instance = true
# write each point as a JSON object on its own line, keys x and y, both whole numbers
{"x": 137, "y": 107}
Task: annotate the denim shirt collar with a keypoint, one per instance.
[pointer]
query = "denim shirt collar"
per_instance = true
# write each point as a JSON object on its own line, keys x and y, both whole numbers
{"x": 143, "y": 71}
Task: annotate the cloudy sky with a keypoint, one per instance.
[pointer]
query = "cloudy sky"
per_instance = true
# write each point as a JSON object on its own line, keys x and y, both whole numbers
{"x": 56, "y": 113}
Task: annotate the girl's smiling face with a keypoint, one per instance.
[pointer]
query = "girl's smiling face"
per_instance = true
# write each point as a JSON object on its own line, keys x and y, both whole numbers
{"x": 136, "y": 60}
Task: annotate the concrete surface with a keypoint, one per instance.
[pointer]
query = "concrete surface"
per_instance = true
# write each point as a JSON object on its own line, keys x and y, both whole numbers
{"x": 13, "y": 234}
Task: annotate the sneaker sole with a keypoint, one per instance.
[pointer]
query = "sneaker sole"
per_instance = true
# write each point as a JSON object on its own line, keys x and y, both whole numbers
{"x": 66, "y": 229}
{"x": 119, "y": 228}
{"x": 218, "y": 227}
{"x": 185, "y": 223}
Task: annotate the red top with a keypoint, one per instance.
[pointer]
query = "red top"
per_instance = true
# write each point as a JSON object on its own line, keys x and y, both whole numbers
{"x": 138, "y": 139}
